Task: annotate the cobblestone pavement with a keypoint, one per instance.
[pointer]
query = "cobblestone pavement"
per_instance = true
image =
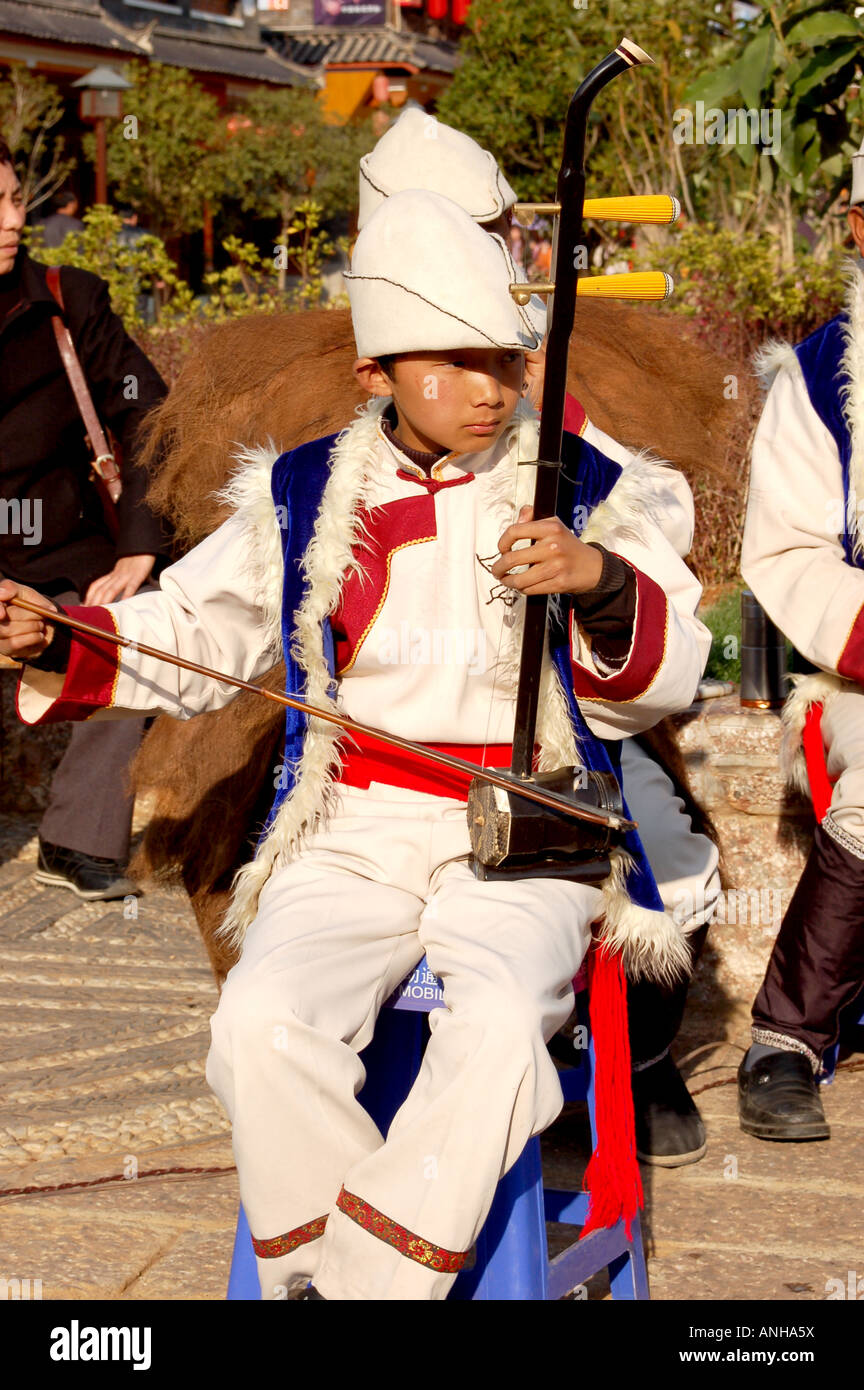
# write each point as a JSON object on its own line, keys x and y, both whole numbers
{"x": 104, "y": 1027}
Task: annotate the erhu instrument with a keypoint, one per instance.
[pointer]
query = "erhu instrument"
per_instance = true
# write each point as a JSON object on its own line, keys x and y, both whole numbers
{"x": 512, "y": 837}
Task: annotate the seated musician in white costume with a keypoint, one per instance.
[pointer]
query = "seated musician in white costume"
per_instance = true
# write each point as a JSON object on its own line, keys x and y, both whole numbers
{"x": 366, "y": 862}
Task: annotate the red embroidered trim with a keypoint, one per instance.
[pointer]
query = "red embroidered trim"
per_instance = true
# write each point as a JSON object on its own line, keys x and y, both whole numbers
{"x": 575, "y": 418}
{"x": 283, "y": 1245}
{"x": 91, "y": 676}
{"x": 406, "y": 1242}
{"x": 384, "y": 530}
{"x": 851, "y": 662}
{"x": 647, "y": 651}
{"x": 433, "y": 485}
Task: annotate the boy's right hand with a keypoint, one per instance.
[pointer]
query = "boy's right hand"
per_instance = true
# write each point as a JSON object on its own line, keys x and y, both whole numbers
{"x": 23, "y": 635}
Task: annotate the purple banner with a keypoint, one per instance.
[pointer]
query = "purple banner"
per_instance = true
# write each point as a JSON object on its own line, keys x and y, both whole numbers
{"x": 345, "y": 13}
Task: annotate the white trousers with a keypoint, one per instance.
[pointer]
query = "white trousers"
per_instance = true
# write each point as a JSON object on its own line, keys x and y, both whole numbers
{"x": 337, "y": 929}
{"x": 843, "y": 736}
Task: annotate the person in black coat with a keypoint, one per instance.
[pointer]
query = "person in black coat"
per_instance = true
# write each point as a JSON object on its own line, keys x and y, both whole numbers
{"x": 54, "y": 534}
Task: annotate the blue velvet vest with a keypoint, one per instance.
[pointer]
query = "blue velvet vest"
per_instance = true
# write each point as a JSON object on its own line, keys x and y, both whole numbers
{"x": 821, "y": 359}
{"x": 298, "y": 482}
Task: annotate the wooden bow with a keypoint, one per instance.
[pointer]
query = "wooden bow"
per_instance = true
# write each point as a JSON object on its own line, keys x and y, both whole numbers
{"x": 496, "y": 779}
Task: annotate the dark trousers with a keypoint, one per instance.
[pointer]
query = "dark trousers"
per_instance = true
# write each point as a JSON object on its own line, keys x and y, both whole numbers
{"x": 816, "y": 967}
{"x": 90, "y": 805}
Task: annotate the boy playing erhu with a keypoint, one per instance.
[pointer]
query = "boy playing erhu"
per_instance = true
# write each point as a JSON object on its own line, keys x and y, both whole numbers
{"x": 359, "y": 554}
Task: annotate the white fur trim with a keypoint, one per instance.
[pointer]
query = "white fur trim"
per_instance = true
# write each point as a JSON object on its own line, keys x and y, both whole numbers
{"x": 651, "y": 943}
{"x": 771, "y": 358}
{"x": 852, "y": 397}
{"x": 248, "y": 494}
{"x": 638, "y": 493}
{"x": 327, "y": 561}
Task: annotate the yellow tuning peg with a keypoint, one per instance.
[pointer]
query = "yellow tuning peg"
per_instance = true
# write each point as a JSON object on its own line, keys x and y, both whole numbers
{"x": 637, "y": 284}
{"x": 660, "y": 209}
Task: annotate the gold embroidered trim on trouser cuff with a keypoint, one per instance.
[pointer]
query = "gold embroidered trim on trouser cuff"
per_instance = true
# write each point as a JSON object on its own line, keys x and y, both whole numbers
{"x": 851, "y": 843}
{"x": 406, "y": 1242}
{"x": 768, "y": 1038}
{"x": 283, "y": 1245}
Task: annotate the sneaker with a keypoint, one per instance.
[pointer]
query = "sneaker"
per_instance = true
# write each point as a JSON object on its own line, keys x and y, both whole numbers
{"x": 669, "y": 1128}
{"x": 88, "y": 876}
{"x": 778, "y": 1098}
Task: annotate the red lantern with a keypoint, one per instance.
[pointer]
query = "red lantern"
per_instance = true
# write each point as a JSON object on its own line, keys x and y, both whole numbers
{"x": 460, "y": 11}
{"x": 437, "y": 9}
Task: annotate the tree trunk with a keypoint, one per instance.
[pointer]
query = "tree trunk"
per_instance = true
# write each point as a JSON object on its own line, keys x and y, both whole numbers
{"x": 286, "y": 220}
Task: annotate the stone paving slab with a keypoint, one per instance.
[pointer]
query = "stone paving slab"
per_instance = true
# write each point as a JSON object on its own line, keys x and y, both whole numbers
{"x": 76, "y": 1257}
{"x": 151, "y": 1237}
{"x": 686, "y": 1274}
{"x": 196, "y": 1267}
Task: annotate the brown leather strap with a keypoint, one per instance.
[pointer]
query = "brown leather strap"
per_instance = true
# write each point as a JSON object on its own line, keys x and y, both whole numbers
{"x": 104, "y": 462}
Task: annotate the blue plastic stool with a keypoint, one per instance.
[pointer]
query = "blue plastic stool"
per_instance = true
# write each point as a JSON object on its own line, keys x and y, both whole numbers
{"x": 511, "y": 1255}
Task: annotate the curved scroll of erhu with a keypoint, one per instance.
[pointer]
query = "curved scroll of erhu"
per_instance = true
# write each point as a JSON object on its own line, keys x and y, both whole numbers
{"x": 509, "y": 837}
{"x": 571, "y": 208}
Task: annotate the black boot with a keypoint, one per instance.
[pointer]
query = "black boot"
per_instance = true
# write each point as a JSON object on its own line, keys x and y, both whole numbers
{"x": 778, "y": 1098}
{"x": 669, "y": 1128}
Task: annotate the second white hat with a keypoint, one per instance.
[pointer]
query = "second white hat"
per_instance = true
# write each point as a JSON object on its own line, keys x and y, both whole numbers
{"x": 419, "y": 151}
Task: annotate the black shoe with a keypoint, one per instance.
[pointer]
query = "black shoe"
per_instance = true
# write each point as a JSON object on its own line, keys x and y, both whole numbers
{"x": 669, "y": 1128}
{"x": 89, "y": 877}
{"x": 311, "y": 1295}
{"x": 778, "y": 1098}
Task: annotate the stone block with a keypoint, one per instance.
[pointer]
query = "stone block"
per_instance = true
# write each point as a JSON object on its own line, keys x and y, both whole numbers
{"x": 733, "y": 756}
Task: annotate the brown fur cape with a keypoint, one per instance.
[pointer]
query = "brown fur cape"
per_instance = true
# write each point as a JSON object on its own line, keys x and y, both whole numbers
{"x": 287, "y": 378}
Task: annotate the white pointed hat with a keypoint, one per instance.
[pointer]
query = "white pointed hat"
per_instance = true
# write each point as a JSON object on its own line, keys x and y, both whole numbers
{"x": 857, "y": 195}
{"x": 419, "y": 151}
{"x": 425, "y": 277}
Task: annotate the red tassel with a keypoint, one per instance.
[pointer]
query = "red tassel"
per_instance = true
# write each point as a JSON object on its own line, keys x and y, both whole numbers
{"x": 612, "y": 1178}
{"x": 821, "y": 788}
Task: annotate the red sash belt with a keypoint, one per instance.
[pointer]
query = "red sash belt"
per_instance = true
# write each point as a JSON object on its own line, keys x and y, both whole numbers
{"x": 365, "y": 760}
